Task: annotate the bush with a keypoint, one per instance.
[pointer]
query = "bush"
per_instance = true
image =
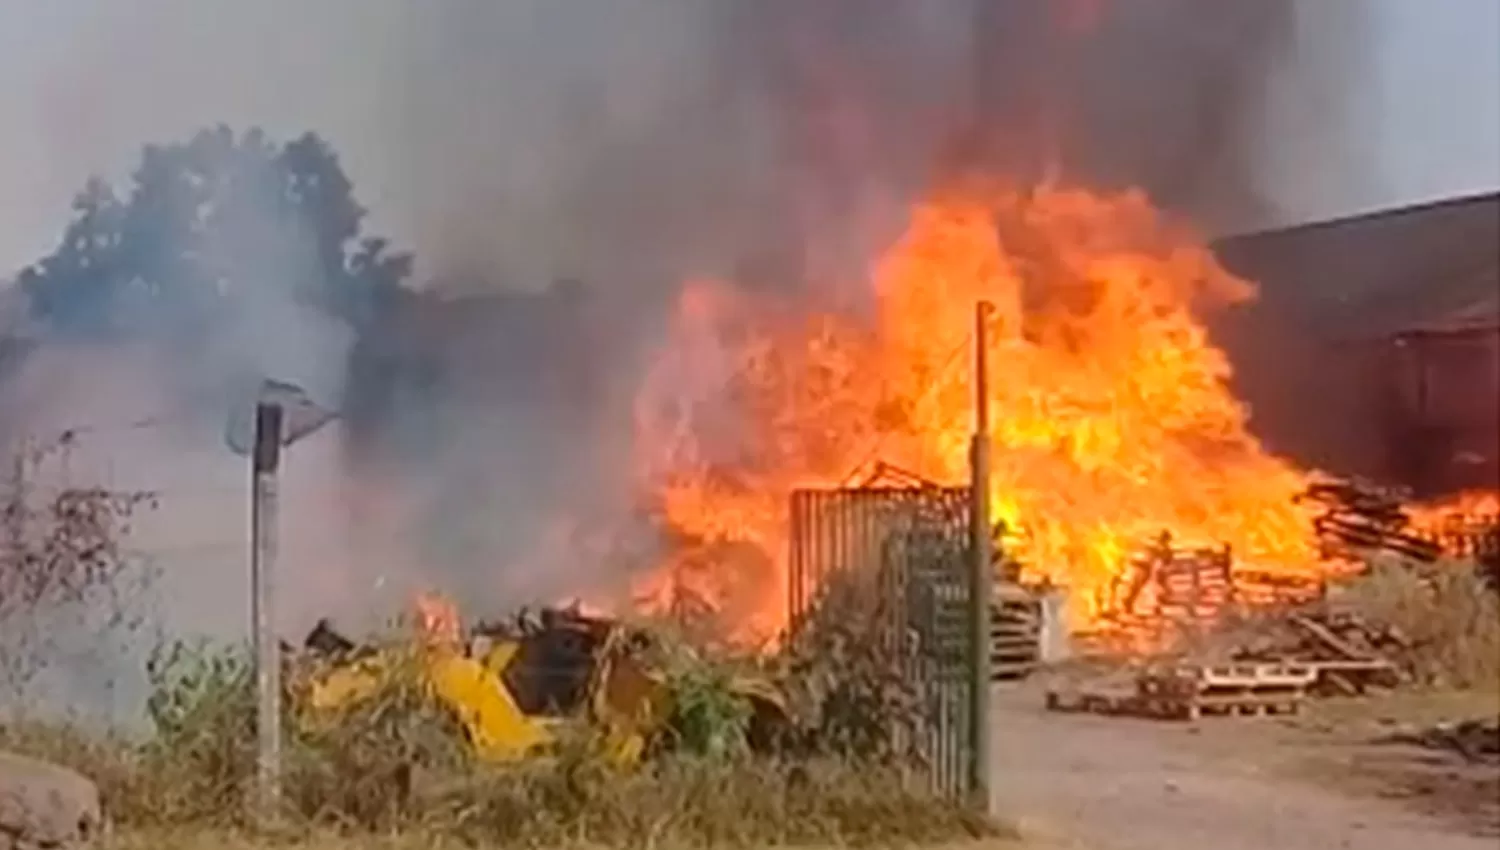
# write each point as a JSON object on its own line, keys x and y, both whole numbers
{"x": 397, "y": 764}
{"x": 846, "y": 675}
{"x": 1447, "y": 611}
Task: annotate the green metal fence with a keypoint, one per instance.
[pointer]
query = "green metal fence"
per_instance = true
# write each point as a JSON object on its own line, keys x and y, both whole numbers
{"x": 909, "y": 545}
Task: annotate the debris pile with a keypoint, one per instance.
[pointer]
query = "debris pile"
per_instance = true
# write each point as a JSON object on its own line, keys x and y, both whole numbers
{"x": 1475, "y": 740}
{"x": 1348, "y": 654}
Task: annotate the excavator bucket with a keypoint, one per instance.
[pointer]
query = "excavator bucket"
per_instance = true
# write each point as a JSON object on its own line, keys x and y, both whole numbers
{"x": 509, "y": 689}
{"x": 495, "y": 725}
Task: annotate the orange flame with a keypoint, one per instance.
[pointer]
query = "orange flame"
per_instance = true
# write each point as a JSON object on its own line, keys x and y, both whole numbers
{"x": 1452, "y": 520}
{"x": 438, "y": 620}
{"x": 1112, "y": 415}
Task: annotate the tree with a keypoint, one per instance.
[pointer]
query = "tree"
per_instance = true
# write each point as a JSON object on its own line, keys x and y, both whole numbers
{"x": 206, "y": 224}
{"x": 72, "y": 288}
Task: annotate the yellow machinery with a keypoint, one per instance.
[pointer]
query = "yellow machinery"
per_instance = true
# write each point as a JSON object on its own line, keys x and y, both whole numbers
{"x": 511, "y": 689}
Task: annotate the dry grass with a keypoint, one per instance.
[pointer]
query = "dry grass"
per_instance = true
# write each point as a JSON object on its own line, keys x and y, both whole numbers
{"x": 395, "y": 768}
{"x": 231, "y": 840}
{"x": 1448, "y": 611}
{"x": 196, "y": 785}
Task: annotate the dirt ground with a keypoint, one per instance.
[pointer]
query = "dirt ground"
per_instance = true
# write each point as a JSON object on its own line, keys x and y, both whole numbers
{"x": 1327, "y": 778}
{"x": 216, "y": 841}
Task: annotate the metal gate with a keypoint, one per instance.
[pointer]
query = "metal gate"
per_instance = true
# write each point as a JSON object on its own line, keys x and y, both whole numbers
{"x": 910, "y": 545}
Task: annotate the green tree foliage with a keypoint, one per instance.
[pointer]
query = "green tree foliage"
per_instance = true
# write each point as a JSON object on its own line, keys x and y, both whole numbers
{"x": 205, "y": 224}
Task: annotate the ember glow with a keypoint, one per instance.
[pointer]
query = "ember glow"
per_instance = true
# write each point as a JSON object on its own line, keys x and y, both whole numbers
{"x": 1112, "y": 418}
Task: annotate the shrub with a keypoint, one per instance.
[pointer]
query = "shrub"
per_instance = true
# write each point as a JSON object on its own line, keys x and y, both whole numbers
{"x": 1447, "y": 611}
{"x": 396, "y": 763}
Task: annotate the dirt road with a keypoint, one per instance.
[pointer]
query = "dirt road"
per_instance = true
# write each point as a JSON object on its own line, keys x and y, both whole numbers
{"x": 1308, "y": 783}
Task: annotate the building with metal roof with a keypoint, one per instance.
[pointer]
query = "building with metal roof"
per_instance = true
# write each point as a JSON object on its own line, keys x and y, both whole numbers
{"x": 1374, "y": 347}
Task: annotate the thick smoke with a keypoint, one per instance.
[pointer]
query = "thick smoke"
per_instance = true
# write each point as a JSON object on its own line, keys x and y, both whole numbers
{"x": 756, "y": 138}
{"x": 1162, "y": 94}
{"x": 629, "y": 145}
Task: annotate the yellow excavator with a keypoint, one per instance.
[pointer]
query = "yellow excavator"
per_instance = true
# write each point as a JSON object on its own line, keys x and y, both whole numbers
{"x": 512, "y": 687}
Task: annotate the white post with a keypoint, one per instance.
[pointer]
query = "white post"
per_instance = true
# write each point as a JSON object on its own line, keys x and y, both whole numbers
{"x": 265, "y": 460}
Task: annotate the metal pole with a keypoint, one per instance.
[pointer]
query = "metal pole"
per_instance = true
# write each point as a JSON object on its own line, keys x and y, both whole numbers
{"x": 981, "y": 572}
{"x": 265, "y": 459}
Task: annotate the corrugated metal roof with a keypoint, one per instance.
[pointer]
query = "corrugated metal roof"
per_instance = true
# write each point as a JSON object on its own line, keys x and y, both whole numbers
{"x": 1380, "y": 273}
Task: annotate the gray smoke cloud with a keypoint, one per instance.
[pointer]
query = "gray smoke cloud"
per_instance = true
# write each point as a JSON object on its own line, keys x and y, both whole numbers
{"x": 627, "y": 144}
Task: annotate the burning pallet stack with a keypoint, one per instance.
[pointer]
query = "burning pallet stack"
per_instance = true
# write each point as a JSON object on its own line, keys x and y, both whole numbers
{"x": 1473, "y": 535}
{"x": 1360, "y": 517}
{"x": 1171, "y": 592}
{"x": 1244, "y": 641}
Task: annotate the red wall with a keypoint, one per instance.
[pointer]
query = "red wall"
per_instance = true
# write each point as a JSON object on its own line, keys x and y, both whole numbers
{"x": 1443, "y": 408}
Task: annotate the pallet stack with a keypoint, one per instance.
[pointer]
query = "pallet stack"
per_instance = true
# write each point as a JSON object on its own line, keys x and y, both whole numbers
{"x": 1359, "y": 516}
{"x": 1015, "y": 632}
{"x": 1190, "y": 691}
{"x": 1171, "y": 588}
{"x": 1349, "y": 655}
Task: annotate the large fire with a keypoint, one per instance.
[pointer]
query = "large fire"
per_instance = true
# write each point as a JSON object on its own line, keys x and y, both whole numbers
{"x": 1112, "y": 416}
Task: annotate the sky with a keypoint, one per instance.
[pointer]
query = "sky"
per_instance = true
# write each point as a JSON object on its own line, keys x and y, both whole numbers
{"x": 84, "y": 83}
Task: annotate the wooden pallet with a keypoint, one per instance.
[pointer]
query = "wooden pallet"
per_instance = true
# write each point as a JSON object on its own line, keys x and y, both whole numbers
{"x": 1189, "y": 692}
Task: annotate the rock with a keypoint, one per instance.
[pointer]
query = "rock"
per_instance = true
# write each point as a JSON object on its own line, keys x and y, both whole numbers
{"x": 46, "y": 807}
